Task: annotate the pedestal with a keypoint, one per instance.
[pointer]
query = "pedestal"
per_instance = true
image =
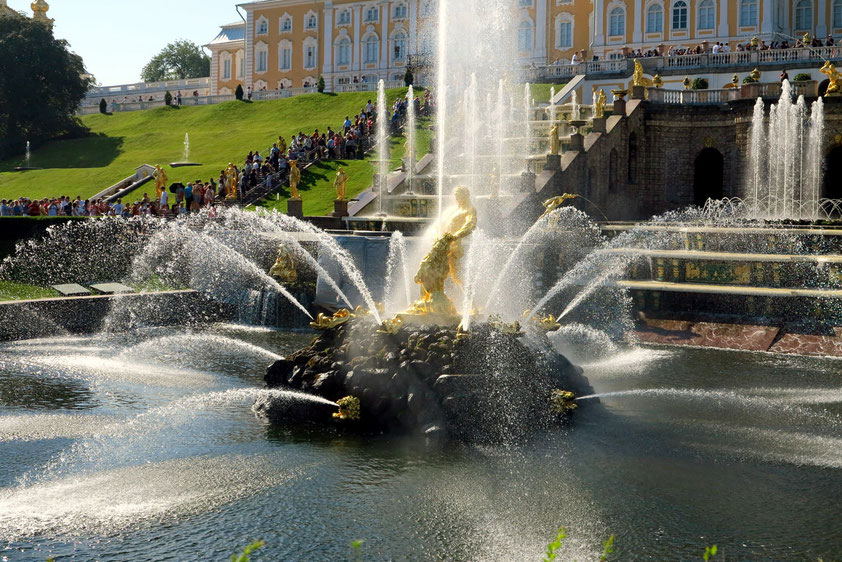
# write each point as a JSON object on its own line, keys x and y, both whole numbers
{"x": 295, "y": 208}
{"x": 340, "y": 208}
{"x": 577, "y": 142}
{"x": 620, "y": 108}
{"x": 553, "y": 162}
{"x": 638, "y": 92}
{"x": 599, "y": 125}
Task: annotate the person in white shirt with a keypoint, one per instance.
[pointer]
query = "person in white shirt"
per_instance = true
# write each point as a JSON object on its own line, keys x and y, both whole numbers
{"x": 575, "y": 59}
{"x": 717, "y": 48}
{"x": 164, "y": 198}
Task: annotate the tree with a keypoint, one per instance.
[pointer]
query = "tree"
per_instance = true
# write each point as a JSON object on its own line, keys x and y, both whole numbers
{"x": 408, "y": 78}
{"x": 177, "y": 61}
{"x": 238, "y": 93}
{"x": 42, "y": 86}
{"x": 103, "y": 106}
{"x": 167, "y": 98}
{"x": 321, "y": 85}
{"x": 699, "y": 84}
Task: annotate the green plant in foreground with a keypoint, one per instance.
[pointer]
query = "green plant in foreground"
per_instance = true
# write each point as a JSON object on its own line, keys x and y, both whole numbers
{"x": 356, "y": 547}
{"x": 607, "y": 548}
{"x": 555, "y": 546}
{"x": 244, "y": 557}
{"x": 710, "y": 552}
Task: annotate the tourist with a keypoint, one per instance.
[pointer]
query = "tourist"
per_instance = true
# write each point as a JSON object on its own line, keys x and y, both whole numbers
{"x": 575, "y": 59}
{"x": 784, "y": 75}
{"x": 347, "y": 124}
{"x": 164, "y": 197}
{"x": 188, "y": 195}
{"x": 5, "y": 209}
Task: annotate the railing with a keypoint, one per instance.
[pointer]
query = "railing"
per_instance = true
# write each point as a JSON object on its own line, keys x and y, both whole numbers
{"x": 367, "y": 86}
{"x": 281, "y": 94}
{"x": 690, "y": 97}
{"x": 707, "y": 60}
{"x": 148, "y": 87}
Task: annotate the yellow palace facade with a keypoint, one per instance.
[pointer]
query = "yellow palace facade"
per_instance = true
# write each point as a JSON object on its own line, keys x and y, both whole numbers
{"x": 291, "y": 43}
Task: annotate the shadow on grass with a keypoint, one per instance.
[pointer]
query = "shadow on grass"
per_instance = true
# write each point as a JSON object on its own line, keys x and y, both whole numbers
{"x": 93, "y": 151}
{"x": 319, "y": 172}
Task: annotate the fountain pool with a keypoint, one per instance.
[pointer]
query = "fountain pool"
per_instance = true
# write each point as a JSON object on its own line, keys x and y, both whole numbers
{"x": 142, "y": 446}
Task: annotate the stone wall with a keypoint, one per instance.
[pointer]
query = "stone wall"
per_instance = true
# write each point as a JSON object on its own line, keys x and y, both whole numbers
{"x": 645, "y": 161}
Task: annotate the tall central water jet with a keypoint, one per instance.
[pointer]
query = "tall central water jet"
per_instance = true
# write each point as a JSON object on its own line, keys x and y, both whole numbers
{"x": 383, "y": 142}
{"x": 410, "y": 137}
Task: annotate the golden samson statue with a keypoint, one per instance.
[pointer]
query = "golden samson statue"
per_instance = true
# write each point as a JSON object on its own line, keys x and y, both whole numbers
{"x": 444, "y": 258}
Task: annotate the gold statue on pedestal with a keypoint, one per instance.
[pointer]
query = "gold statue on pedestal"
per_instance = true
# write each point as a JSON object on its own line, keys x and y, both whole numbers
{"x": 555, "y": 142}
{"x": 339, "y": 184}
{"x": 599, "y": 104}
{"x": 284, "y": 269}
{"x": 294, "y": 179}
{"x": 444, "y": 258}
{"x": 829, "y": 69}
{"x": 231, "y": 180}
{"x": 160, "y": 180}
{"x": 637, "y": 78}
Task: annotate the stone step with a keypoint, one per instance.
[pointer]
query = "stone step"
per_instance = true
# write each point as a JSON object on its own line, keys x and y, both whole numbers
{"x": 701, "y": 288}
{"x": 701, "y": 255}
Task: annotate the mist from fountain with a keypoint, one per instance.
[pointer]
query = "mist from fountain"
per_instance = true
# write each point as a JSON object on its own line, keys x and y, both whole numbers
{"x": 552, "y": 105}
{"x": 186, "y": 148}
{"x": 383, "y": 144}
{"x": 576, "y": 109}
{"x": 397, "y": 273}
{"x": 472, "y": 134}
{"x": 501, "y": 134}
{"x": 411, "y": 150}
{"x": 785, "y": 165}
{"x": 527, "y": 114}
{"x": 28, "y": 156}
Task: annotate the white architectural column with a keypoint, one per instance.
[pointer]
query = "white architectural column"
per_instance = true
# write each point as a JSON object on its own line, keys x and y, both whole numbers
{"x": 249, "y": 50}
{"x": 821, "y": 19}
{"x": 413, "y": 27}
{"x": 328, "y": 56}
{"x": 598, "y": 23}
{"x": 637, "y": 35}
{"x": 358, "y": 38}
{"x": 214, "y": 75}
{"x": 541, "y": 31}
{"x": 384, "y": 41}
{"x": 723, "y": 30}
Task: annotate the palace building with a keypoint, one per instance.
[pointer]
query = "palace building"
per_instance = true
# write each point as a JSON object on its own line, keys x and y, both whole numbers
{"x": 291, "y": 43}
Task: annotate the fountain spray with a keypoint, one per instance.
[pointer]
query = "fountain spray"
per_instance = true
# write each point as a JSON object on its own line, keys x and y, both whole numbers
{"x": 383, "y": 141}
{"x": 186, "y": 148}
{"x": 410, "y": 137}
{"x": 441, "y": 104}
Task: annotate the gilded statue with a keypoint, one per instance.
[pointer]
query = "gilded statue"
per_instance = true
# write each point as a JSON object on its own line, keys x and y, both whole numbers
{"x": 231, "y": 180}
{"x": 339, "y": 184}
{"x": 555, "y": 142}
{"x": 554, "y": 203}
{"x": 160, "y": 179}
{"x": 599, "y": 104}
{"x": 637, "y": 78}
{"x": 284, "y": 269}
{"x": 444, "y": 258}
{"x": 755, "y": 75}
{"x": 294, "y": 179}
{"x": 325, "y": 322}
{"x": 833, "y": 77}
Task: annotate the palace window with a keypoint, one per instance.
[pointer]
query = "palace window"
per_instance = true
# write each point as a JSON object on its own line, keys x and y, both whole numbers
{"x": 400, "y": 46}
{"x": 400, "y": 12}
{"x": 804, "y": 15}
{"x": 748, "y": 13}
{"x": 655, "y": 19}
{"x": 837, "y": 14}
{"x": 344, "y": 17}
{"x": 285, "y": 57}
{"x": 263, "y": 26}
{"x": 679, "y": 15}
{"x": 525, "y": 3}
{"x": 241, "y": 64}
{"x": 565, "y": 34}
{"x": 372, "y": 47}
{"x": 226, "y": 69}
{"x": 617, "y": 22}
{"x": 525, "y": 36}
{"x": 312, "y": 22}
{"x": 310, "y": 53}
{"x": 262, "y": 59}
{"x": 707, "y": 14}
{"x": 427, "y": 9}
{"x": 372, "y": 13}
{"x": 343, "y": 51}
{"x": 286, "y": 24}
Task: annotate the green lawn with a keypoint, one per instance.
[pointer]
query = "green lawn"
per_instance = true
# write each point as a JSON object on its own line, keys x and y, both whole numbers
{"x": 10, "y": 291}
{"x": 541, "y": 92}
{"x": 218, "y": 134}
{"x": 316, "y": 185}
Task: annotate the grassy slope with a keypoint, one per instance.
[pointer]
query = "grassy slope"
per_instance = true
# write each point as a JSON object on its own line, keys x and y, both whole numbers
{"x": 541, "y": 92}
{"x": 317, "y": 184}
{"x": 218, "y": 134}
{"x": 10, "y": 291}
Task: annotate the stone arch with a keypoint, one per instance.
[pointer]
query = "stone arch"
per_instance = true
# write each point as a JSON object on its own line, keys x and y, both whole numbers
{"x": 831, "y": 187}
{"x": 708, "y": 176}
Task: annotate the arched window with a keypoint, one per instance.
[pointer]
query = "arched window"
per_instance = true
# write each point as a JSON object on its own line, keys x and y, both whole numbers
{"x": 399, "y": 46}
{"x": 343, "y": 51}
{"x": 804, "y": 15}
{"x": 285, "y": 55}
{"x": 286, "y": 24}
{"x": 679, "y": 15}
{"x": 312, "y": 22}
{"x": 262, "y": 27}
{"x": 261, "y": 56}
{"x": 525, "y": 36}
{"x": 372, "y": 47}
{"x": 707, "y": 14}
{"x": 655, "y": 18}
{"x": 617, "y": 22}
{"x": 748, "y": 13}
{"x": 837, "y": 14}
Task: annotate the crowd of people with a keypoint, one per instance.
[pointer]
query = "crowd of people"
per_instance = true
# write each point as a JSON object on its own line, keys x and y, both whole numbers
{"x": 349, "y": 140}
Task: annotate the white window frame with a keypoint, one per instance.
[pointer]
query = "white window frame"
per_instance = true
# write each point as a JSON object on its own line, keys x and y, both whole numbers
{"x": 655, "y": 24}
{"x": 617, "y": 22}
{"x": 680, "y": 16}
{"x": 749, "y": 13}
{"x": 706, "y": 18}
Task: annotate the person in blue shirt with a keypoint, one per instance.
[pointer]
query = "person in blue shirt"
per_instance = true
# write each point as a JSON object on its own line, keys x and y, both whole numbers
{"x": 5, "y": 210}
{"x": 188, "y": 196}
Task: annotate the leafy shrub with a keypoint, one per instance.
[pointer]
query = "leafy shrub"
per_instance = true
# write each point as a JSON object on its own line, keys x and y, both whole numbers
{"x": 239, "y": 92}
{"x": 699, "y": 84}
{"x": 803, "y": 77}
{"x": 749, "y": 80}
{"x": 321, "y": 85}
{"x": 168, "y": 98}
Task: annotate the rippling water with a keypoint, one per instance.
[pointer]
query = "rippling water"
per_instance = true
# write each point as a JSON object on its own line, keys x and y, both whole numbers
{"x": 143, "y": 446}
